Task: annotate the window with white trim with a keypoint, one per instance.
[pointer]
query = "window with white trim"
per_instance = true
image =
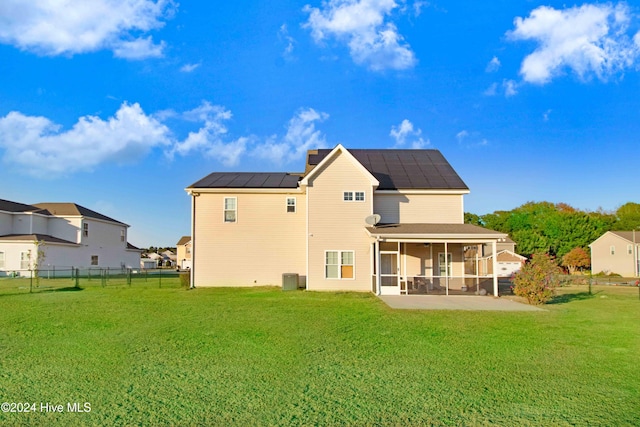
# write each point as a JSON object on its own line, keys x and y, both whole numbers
{"x": 1, "y": 259}
{"x": 25, "y": 257}
{"x": 630, "y": 249}
{"x": 339, "y": 264}
{"x": 291, "y": 204}
{"x": 85, "y": 228}
{"x": 94, "y": 259}
{"x": 350, "y": 196}
{"x": 612, "y": 250}
{"x": 230, "y": 209}
{"x": 122, "y": 235}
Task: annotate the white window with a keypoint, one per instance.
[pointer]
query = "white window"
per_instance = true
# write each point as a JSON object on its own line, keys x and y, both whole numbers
{"x": 630, "y": 249}
{"x": 122, "y": 235}
{"x": 350, "y": 196}
{"x": 1, "y": 259}
{"x": 612, "y": 249}
{"x": 94, "y": 259}
{"x": 85, "y": 228}
{"x": 24, "y": 260}
{"x": 339, "y": 264}
{"x": 230, "y": 209}
{"x": 291, "y": 204}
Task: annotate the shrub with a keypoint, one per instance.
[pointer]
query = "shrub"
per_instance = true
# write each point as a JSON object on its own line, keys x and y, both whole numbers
{"x": 537, "y": 279}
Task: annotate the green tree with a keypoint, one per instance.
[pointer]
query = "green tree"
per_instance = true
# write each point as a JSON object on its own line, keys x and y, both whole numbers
{"x": 537, "y": 279}
{"x": 628, "y": 217}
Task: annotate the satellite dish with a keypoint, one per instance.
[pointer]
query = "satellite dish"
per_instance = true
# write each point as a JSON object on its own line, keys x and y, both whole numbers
{"x": 372, "y": 219}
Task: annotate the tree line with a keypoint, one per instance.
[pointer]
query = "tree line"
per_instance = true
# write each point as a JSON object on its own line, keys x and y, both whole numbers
{"x": 556, "y": 229}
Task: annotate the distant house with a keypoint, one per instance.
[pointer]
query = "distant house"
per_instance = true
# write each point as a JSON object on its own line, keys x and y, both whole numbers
{"x": 183, "y": 249}
{"x": 382, "y": 221}
{"x": 508, "y": 261}
{"x": 616, "y": 252}
{"x": 60, "y": 236}
{"x": 148, "y": 263}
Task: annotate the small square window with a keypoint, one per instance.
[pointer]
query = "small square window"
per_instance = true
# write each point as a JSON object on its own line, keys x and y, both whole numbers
{"x": 94, "y": 259}
{"x": 359, "y": 196}
{"x": 291, "y": 204}
{"x": 348, "y": 196}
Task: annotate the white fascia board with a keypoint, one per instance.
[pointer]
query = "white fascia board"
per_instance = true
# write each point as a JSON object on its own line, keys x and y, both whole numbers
{"x": 90, "y": 218}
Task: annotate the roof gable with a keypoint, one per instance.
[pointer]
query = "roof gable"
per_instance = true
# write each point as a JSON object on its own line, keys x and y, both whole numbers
{"x": 401, "y": 169}
{"x": 339, "y": 149}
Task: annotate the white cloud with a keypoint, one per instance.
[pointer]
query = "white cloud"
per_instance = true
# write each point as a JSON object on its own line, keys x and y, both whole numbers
{"x": 283, "y": 35}
{"x": 471, "y": 139}
{"x": 404, "y": 133}
{"x": 364, "y": 26}
{"x": 188, "y": 68}
{"x": 301, "y": 136}
{"x": 52, "y": 27}
{"x": 209, "y": 139}
{"x": 510, "y": 88}
{"x": 40, "y": 147}
{"x": 493, "y": 65}
{"x": 492, "y": 90}
{"x": 546, "y": 114}
{"x": 460, "y": 136}
{"x": 591, "y": 40}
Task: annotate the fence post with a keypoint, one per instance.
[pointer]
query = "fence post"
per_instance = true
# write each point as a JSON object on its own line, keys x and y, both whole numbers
{"x": 31, "y": 281}
{"x": 160, "y": 279}
{"x": 129, "y": 276}
{"x": 590, "y": 276}
{"x": 77, "y": 277}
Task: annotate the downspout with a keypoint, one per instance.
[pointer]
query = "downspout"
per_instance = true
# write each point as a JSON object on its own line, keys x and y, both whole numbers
{"x": 377, "y": 250}
{"x": 494, "y": 248}
{"x": 193, "y": 240}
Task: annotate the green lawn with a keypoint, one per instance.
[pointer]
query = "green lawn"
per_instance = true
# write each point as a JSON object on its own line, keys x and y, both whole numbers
{"x": 260, "y": 356}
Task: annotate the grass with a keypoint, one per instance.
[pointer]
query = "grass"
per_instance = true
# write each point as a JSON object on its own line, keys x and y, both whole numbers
{"x": 260, "y": 356}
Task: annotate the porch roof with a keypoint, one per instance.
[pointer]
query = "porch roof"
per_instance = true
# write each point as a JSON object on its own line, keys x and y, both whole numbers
{"x": 435, "y": 232}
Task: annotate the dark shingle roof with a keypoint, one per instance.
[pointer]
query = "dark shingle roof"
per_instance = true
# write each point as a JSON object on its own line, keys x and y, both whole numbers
{"x": 73, "y": 209}
{"x": 9, "y": 206}
{"x": 39, "y": 237}
{"x": 248, "y": 180}
{"x": 403, "y": 169}
{"x": 447, "y": 230}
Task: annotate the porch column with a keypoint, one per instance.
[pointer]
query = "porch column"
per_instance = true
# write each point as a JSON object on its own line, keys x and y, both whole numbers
{"x": 494, "y": 248}
{"x": 377, "y": 266}
{"x": 446, "y": 267}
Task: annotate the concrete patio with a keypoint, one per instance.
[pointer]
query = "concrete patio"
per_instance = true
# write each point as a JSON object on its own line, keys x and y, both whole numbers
{"x": 438, "y": 302}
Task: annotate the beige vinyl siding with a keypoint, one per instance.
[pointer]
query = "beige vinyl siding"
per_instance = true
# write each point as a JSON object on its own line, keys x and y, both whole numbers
{"x": 602, "y": 260}
{"x": 338, "y": 225}
{"x": 419, "y": 208}
{"x": 265, "y": 241}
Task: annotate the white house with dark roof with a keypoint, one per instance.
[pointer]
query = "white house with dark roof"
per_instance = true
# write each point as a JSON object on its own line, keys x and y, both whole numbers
{"x": 61, "y": 236}
{"x": 386, "y": 221}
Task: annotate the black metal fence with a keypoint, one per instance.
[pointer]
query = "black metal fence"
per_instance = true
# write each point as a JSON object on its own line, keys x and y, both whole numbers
{"x": 29, "y": 281}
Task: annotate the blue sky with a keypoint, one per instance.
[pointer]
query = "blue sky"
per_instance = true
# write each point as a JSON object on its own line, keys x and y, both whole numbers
{"x": 118, "y": 105}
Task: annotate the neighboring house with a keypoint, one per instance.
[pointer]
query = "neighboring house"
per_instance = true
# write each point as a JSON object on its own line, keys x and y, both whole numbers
{"x": 508, "y": 261}
{"x": 250, "y": 229}
{"x": 183, "y": 248}
{"x": 61, "y": 235}
{"x": 616, "y": 252}
{"x": 148, "y": 263}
